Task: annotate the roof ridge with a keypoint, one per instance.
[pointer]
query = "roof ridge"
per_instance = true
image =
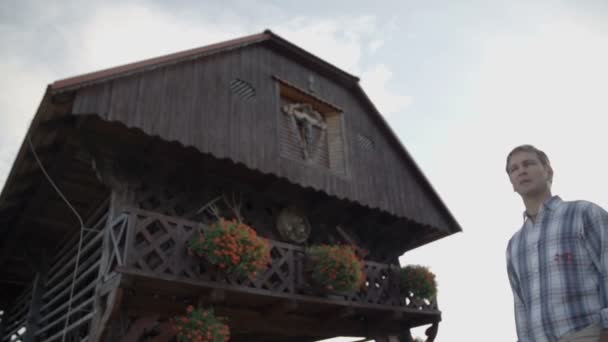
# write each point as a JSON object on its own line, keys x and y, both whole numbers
{"x": 78, "y": 81}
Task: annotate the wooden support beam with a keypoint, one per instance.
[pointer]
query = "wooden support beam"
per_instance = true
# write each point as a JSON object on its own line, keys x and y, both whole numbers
{"x": 345, "y": 312}
{"x": 107, "y": 308}
{"x": 281, "y": 307}
{"x": 396, "y": 315}
{"x": 214, "y": 296}
{"x": 290, "y": 325}
{"x": 109, "y": 285}
{"x": 33, "y": 315}
{"x": 2, "y": 321}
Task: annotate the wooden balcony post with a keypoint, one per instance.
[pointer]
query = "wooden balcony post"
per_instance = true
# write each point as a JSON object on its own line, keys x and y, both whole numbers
{"x": 123, "y": 198}
{"x": 108, "y": 295}
{"x": 33, "y": 315}
{"x": 2, "y": 323}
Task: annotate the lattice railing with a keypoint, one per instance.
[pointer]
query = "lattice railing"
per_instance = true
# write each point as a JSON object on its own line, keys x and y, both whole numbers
{"x": 115, "y": 245}
{"x": 155, "y": 244}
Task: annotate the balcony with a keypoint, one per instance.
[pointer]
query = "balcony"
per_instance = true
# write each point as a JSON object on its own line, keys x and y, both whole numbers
{"x": 148, "y": 251}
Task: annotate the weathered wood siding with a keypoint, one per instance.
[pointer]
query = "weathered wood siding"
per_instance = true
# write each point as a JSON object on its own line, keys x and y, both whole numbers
{"x": 191, "y": 102}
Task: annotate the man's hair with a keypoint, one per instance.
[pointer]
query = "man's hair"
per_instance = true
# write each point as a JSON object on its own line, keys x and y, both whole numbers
{"x": 544, "y": 160}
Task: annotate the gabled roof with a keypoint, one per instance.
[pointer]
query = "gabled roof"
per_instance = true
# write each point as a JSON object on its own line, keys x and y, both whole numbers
{"x": 70, "y": 85}
{"x": 79, "y": 81}
{"x": 267, "y": 37}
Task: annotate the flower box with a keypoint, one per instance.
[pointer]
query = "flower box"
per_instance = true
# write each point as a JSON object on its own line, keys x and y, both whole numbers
{"x": 334, "y": 269}
{"x": 233, "y": 247}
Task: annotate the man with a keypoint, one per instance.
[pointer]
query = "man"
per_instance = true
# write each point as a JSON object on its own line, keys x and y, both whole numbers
{"x": 558, "y": 261}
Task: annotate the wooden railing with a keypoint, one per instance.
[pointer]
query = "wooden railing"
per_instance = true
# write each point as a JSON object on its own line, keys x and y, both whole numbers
{"x": 15, "y": 318}
{"x": 59, "y": 303}
{"x": 68, "y": 301}
{"x": 154, "y": 245}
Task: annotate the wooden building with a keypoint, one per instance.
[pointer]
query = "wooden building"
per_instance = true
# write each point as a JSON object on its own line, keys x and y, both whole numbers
{"x": 138, "y": 150}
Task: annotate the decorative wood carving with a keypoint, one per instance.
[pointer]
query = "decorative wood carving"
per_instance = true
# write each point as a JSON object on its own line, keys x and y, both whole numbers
{"x": 293, "y": 225}
{"x": 303, "y": 119}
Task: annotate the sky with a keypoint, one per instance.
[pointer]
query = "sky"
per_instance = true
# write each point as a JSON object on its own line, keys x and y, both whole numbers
{"x": 461, "y": 84}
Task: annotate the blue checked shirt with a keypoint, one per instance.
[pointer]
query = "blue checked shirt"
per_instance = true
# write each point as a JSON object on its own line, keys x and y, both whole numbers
{"x": 558, "y": 269}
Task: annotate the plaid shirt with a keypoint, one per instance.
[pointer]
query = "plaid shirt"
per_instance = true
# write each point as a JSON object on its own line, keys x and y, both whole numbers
{"x": 558, "y": 269}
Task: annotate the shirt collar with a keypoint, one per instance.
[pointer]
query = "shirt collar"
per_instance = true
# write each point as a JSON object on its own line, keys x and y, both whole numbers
{"x": 549, "y": 204}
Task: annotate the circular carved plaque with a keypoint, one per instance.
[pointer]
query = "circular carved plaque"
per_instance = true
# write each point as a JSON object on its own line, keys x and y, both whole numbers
{"x": 293, "y": 225}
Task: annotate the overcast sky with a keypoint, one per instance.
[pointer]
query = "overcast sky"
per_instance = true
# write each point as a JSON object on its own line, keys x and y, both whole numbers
{"x": 461, "y": 83}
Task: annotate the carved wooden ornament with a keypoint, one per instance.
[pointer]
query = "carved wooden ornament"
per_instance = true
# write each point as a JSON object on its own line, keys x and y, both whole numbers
{"x": 293, "y": 225}
{"x": 303, "y": 119}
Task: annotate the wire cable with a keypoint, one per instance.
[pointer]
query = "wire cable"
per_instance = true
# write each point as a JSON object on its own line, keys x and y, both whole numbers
{"x": 29, "y": 140}
{"x": 82, "y": 229}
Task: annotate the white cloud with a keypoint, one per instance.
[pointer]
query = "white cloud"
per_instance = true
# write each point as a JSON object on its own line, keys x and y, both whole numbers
{"x": 338, "y": 40}
{"x": 128, "y": 33}
{"x": 560, "y": 71}
{"x": 375, "y": 45}
{"x": 549, "y": 88}
{"x": 22, "y": 89}
{"x": 324, "y": 38}
{"x": 119, "y": 34}
{"x": 376, "y": 82}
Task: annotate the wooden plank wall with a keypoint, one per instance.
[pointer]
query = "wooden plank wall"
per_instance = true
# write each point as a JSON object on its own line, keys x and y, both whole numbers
{"x": 191, "y": 103}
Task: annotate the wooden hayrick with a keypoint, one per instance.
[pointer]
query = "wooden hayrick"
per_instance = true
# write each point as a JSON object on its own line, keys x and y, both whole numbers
{"x": 254, "y": 129}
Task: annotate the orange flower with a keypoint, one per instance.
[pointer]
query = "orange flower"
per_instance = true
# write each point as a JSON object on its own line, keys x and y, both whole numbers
{"x": 336, "y": 267}
{"x": 234, "y": 245}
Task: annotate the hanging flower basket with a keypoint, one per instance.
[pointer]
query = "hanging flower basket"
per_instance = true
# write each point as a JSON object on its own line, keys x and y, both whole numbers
{"x": 200, "y": 325}
{"x": 418, "y": 281}
{"x": 335, "y": 268}
{"x": 233, "y": 247}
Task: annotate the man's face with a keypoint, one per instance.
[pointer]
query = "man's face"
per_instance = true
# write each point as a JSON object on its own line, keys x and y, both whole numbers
{"x": 527, "y": 174}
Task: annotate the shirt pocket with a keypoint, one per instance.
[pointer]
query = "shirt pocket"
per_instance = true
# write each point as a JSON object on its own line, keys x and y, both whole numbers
{"x": 571, "y": 262}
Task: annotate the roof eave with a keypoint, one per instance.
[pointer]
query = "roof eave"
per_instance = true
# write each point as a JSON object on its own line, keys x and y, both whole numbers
{"x": 73, "y": 83}
{"x": 454, "y": 225}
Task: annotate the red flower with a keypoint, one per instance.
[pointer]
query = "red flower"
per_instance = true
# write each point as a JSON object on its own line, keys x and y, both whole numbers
{"x": 234, "y": 247}
{"x": 200, "y": 325}
{"x": 336, "y": 267}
